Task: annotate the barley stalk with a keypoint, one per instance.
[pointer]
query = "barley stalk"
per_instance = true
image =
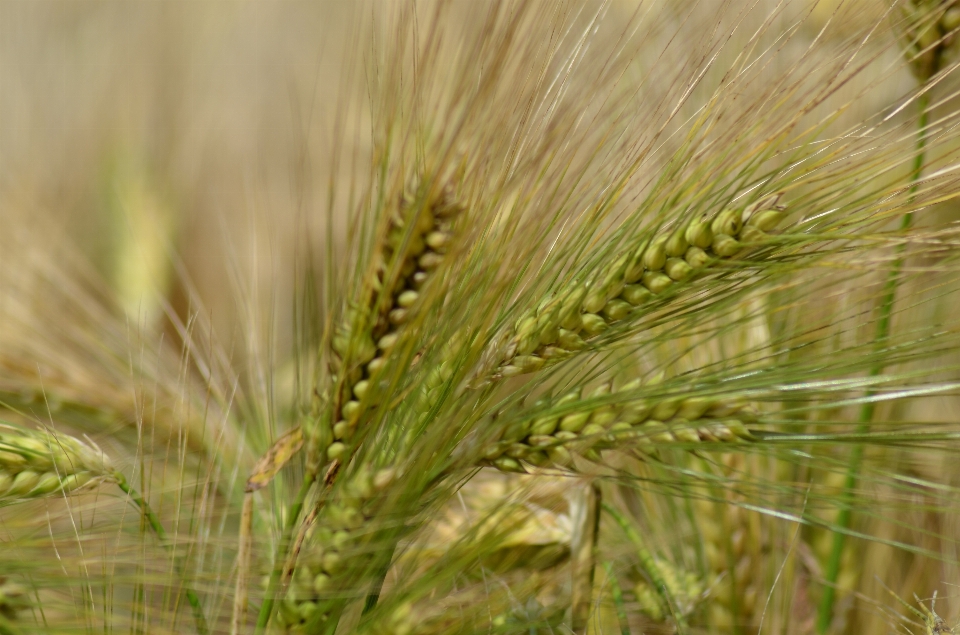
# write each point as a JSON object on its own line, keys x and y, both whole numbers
{"x": 934, "y": 41}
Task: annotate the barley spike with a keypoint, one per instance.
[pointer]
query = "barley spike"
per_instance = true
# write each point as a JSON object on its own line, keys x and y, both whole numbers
{"x": 569, "y": 318}
{"x": 38, "y": 463}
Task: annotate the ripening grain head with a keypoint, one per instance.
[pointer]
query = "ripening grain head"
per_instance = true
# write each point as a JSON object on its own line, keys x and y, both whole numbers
{"x": 586, "y": 314}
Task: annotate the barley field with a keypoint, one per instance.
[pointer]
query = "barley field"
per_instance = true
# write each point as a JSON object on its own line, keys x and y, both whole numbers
{"x": 465, "y": 316}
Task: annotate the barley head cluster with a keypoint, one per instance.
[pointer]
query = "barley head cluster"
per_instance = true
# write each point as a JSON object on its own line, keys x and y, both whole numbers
{"x": 930, "y": 35}
{"x": 537, "y": 210}
{"x": 734, "y": 545}
{"x": 667, "y": 592}
{"x": 331, "y": 543}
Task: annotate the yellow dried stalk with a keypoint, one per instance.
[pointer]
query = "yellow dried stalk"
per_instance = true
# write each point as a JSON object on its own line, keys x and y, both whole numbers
{"x": 37, "y": 463}
{"x": 565, "y": 321}
{"x": 417, "y": 239}
{"x": 579, "y": 424}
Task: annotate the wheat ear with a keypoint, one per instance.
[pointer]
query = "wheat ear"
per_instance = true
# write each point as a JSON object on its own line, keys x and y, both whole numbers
{"x": 565, "y": 321}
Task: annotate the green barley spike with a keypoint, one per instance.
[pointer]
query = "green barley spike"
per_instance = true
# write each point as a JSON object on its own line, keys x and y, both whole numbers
{"x": 575, "y": 424}
{"x": 416, "y": 240}
{"x": 38, "y": 463}
{"x": 566, "y": 321}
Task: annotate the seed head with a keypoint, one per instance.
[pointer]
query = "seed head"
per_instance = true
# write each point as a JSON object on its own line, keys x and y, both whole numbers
{"x": 567, "y": 320}
{"x": 37, "y": 463}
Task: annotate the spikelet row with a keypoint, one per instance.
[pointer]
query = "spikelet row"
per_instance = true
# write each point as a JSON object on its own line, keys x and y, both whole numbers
{"x": 567, "y": 320}
{"x": 552, "y": 438}
{"x": 417, "y": 239}
{"x": 328, "y": 546}
{"x": 36, "y": 463}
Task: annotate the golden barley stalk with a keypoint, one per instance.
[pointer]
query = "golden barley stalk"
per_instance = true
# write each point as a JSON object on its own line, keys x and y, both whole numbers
{"x": 37, "y": 463}
{"x": 568, "y": 319}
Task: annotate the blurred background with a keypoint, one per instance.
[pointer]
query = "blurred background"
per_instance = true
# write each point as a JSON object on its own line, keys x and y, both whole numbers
{"x": 197, "y": 134}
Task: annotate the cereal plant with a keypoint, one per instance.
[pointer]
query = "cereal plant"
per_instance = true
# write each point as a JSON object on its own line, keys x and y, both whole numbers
{"x": 534, "y": 316}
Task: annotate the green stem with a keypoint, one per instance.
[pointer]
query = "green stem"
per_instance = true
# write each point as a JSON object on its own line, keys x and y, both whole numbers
{"x": 832, "y": 570}
{"x": 154, "y": 523}
{"x": 266, "y": 609}
{"x": 617, "y": 599}
{"x": 7, "y": 627}
{"x": 648, "y": 564}
{"x": 374, "y": 596}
